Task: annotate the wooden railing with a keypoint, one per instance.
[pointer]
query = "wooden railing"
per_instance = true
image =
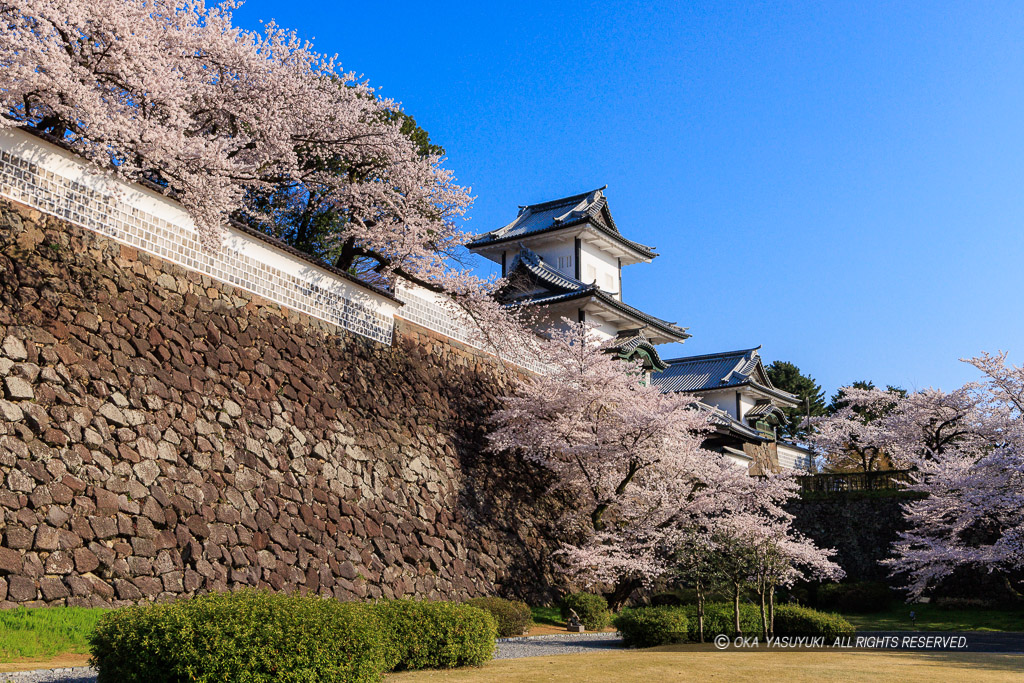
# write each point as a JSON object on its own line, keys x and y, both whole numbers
{"x": 833, "y": 482}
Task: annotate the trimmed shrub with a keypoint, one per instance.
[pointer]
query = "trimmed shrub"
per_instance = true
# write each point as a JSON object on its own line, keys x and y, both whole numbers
{"x": 512, "y": 617}
{"x": 790, "y": 620}
{"x": 794, "y": 620}
{"x": 650, "y": 626}
{"x": 248, "y": 635}
{"x": 592, "y": 609}
{"x": 861, "y": 596}
{"x": 435, "y": 635}
{"x": 718, "y": 618}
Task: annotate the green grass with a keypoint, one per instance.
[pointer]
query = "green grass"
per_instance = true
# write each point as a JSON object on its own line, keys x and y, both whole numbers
{"x": 46, "y": 631}
{"x": 932, "y": 618}
{"x": 552, "y": 616}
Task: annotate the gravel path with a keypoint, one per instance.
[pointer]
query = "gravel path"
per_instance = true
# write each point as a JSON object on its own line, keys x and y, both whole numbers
{"x": 540, "y": 646}
{"x": 77, "y": 674}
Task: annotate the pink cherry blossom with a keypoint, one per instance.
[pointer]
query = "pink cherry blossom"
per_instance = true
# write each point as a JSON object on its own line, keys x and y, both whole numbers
{"x": 629, "y": 459}
{"x": 965, "y": 449}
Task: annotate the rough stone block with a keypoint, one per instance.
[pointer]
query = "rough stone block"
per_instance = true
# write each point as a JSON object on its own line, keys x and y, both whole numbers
{"x": 47, "y": 538}
{"x": 10, "y": 561}
{"x": 85, "y": 560}
{"x": 20, "y": 589}
{"x": 10, "y": 412}
{"x": 14, "y": 348}
{"x": 18, "y": 389}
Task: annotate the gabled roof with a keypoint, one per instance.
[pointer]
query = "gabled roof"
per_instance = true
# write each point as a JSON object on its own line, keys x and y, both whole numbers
{"x": 528, "y": 263}
{"x": 713, "y": 371}
{"x": 589, "y": 208}
{"x": 724, "y": 422}
{"x": 627, "y": 345}
{"x": 764, "y": 410}
{"x": 558, "y": 288}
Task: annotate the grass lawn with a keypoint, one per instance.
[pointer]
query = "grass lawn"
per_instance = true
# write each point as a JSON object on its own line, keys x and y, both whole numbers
{"x": 932, "y": 618}
{"x": 45, "y": 632}
{"x": 664, "y": 664}
{"x": 548, "y": 621}
{"x": 549, "y": 616}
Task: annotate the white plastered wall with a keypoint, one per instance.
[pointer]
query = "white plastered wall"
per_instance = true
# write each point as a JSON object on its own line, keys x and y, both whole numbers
{"x": 57, "y": 182}
{"x": 600, "y": 267}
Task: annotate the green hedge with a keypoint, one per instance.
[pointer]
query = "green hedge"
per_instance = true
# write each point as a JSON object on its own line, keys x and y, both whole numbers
{"x": 246, "y": 636}
{"x": 258, "y": 637}
{"x": 650, "y": 626}
{"x": 789, "y": 620}
{"x": 794, "y": 620}
{"x": 718, "y": 618}
{"x": 593, "y": 610}
{"x": 512, "y": 617}
{"x": 436, "y": 635}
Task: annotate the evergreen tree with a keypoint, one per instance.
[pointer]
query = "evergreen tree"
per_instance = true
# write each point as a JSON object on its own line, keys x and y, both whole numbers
{"x": 787, "y": 377}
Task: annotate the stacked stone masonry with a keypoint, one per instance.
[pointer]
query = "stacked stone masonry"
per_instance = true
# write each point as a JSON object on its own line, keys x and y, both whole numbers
{"x": 163, "y": 434}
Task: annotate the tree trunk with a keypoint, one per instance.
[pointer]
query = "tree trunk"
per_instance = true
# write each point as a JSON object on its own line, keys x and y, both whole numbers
{"x": 700, "y": 611}
{"x": 771, "y": 610}
{"x": 736, "y": 608}
{"x": 764, "y": 614}
{"x": 623, "y": 589}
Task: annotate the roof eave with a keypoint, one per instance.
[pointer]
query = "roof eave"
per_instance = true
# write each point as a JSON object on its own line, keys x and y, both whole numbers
{"x": 790, "y": 399}
{"x": 668, "y": 329}
{"x": 483, "y": 242}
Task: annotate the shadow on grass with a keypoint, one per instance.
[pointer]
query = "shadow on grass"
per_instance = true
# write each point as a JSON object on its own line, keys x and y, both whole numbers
{"x": 549, "y": 616}
{"x": 896, "y": 617}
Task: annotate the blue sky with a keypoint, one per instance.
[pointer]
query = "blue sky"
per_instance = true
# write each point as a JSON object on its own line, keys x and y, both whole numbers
{"x": 839, "y": 182}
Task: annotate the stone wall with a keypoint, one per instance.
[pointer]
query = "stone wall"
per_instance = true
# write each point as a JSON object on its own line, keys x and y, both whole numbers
{"x": 860, "y": 526}
{"x": 163, "y": 434}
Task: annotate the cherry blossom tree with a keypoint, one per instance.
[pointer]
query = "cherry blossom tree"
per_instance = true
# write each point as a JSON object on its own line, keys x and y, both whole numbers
{"x": 781, "y": 556}
{"x": 965, "y": 449}
{"x": 173, "y": 91}
{"x": 249, "y": 125}
{"x": 626, "y": 455}
{"x": 754, "y": 544}
{"x": 968, "y": 462}
{"x": 697, "y": 565}
{"x": 853, "y": 435}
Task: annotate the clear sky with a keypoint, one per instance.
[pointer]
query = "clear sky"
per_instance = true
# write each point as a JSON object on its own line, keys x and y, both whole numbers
{"x": 839, "y": 182}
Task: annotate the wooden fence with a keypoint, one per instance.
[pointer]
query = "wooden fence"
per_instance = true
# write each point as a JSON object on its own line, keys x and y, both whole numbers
{"x": 832, "y": 482}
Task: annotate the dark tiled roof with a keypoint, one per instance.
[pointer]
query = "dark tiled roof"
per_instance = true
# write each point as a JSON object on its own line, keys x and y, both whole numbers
{"x": 588, "y": 207}
{"x": 561, "y": 287}
{"x": 723, "y": 420}
{"x": 544, "y": 274}
{"x": 630, "y": 344}
{"x": 718, "y": 371}
{"x": 764, "y": 409}
{"x": 710, "y": 371}
{"x": 663, "y": 326}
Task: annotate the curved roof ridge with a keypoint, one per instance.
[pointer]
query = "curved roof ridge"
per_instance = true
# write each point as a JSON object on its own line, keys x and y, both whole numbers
{"x": 573, "y": 198}
{"x": 720, "y": 354}
{"x": 588, "y": 208}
